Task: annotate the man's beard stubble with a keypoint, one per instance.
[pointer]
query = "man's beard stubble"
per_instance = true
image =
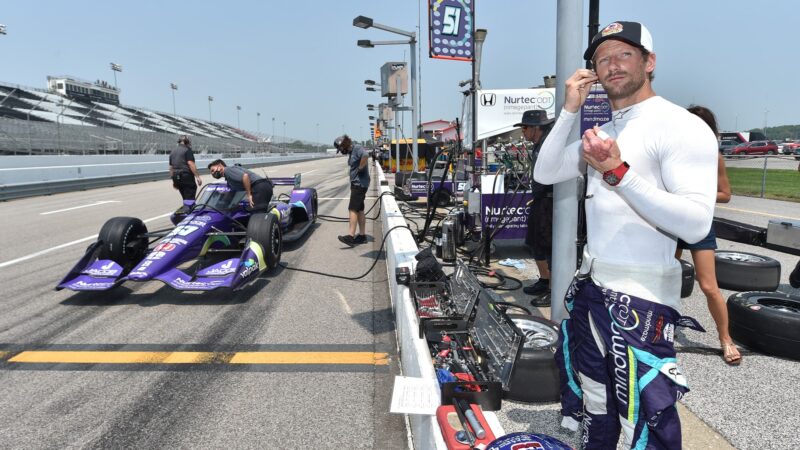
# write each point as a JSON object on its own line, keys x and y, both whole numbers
{"x": 630, "y": 87}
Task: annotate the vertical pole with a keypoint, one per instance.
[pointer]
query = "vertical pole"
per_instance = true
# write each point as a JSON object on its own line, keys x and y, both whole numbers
{"x": 174, "y": 113}
{"x": 764, "y": 176}
{"x": 569, "y": 52}
{"x": 414, "y": 105}
{"x": 209, "y": 109}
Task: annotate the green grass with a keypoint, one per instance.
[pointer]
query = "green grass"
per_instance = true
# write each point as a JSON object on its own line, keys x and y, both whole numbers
{"x": 781, "y": 184}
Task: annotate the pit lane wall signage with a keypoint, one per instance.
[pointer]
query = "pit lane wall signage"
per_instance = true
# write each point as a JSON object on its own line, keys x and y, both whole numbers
{"x": 509, "y": 211}
{"x": 596, "y": 110}
{"x": 500, "y": 109}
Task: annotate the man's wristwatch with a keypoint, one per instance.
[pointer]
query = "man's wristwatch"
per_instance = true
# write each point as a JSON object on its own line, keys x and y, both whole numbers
{"x": 614, "y": 176}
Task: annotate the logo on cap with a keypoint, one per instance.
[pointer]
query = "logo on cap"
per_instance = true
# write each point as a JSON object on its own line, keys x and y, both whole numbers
{"x": 613, "y": 28}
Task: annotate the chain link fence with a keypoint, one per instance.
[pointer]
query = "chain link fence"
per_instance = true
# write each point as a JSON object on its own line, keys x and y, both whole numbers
{"x": 768, "y": 176}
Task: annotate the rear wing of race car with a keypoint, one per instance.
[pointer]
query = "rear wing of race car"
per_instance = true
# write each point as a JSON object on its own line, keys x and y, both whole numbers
{"x": 287, "y": 181}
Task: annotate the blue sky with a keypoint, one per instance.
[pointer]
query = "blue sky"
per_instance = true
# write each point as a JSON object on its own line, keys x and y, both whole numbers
{"x": 298, "y": 61}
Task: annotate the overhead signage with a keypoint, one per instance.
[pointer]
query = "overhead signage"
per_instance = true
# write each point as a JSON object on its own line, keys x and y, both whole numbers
{"x": 451, "y": 26}
{"x": 500, "y": 109}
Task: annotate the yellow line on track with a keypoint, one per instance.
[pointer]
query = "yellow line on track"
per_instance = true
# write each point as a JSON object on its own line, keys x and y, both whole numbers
{"x": 126, "y": 357}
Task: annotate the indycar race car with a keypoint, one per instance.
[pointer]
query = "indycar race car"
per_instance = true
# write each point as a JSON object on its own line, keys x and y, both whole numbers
{"x": 218, "y": 222}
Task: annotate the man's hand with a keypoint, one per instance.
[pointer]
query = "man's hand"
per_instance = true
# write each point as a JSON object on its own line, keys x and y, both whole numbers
{"x": 199, "y": 180}
{"x": 250, "y": 199}
{"x": 578, "y": 86}
{"x": 602, "y": 154}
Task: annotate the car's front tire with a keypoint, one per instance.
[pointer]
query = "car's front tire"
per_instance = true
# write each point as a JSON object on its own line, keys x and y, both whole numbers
{"x": 265, "y": 229}
{"x": 123, "y": 240}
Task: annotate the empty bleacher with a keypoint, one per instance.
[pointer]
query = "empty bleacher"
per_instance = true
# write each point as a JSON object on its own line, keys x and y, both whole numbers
{"x": 35, "y": 121}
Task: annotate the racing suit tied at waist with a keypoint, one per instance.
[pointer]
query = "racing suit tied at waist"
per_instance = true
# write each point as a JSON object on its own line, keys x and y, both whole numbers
{"x": 654, "y": 282}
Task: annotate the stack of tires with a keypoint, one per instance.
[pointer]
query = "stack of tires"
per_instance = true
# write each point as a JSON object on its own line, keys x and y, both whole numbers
{"x": 760, "y": 318}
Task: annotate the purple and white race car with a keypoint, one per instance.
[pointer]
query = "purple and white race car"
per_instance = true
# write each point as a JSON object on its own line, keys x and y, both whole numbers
{"x": 207, "y": 232}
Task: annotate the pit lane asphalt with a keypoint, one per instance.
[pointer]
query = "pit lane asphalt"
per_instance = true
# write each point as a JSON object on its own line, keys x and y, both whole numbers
{"x": 195, "y": 406}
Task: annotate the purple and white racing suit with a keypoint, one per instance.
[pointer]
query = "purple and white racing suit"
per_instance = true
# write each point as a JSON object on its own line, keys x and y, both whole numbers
{"x": 618, "y": 368}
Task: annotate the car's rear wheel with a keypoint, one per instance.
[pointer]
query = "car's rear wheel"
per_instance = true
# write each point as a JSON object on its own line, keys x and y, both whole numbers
{"x": 770, "y": 152}
{"x": 265, "y": 229}
{"x": 123, "y": 240}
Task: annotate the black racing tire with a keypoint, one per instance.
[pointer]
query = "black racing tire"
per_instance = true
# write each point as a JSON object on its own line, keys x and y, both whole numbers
{"x": 535, "y": 375}
{"x": 766, "y": 321}
{"x": 265, "y": 229}
{"x": 687, "y": 278}
{"x": 124, "y": 241}
{"x": 314, "y": 204}
{"x": 742, "y": 271}
{"x": 400, "y": 178}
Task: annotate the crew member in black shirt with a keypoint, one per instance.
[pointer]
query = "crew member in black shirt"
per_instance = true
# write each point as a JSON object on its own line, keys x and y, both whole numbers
{"x": 535, "y": 126}
{"x": 258, "y": 188}
{"x": 182, "y": 169}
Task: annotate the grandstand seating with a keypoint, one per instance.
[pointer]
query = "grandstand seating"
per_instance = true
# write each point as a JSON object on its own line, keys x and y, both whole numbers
{"x": 39, "y": 105}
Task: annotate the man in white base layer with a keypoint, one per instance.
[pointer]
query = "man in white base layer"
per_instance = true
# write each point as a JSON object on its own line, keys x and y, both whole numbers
{"x": 649, "y": 183}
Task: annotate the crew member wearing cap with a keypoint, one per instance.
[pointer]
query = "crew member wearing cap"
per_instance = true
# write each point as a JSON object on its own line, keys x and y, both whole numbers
{"x": 258, "y": 188}
{"x": 650, "y": 182}
{"x": 357, "y": 162}
{"x": 535, "y": 126}
{"x": 182, "y": 169}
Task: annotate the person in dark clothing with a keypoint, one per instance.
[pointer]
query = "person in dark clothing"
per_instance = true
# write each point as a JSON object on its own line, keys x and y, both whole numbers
{"x": 182, "y": 169}
{"x": 258, "y": 188}
{"x": 535, "y": 126}
{"x": 358, "y": 159}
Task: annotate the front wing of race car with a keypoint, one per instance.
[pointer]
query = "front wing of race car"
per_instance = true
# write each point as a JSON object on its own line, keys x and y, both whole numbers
{"x": 101, "y": 274}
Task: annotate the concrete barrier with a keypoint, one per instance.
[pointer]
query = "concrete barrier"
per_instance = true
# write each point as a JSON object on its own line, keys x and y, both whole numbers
{"x": 415, "y": 360}
{"x": 26, "y": 176}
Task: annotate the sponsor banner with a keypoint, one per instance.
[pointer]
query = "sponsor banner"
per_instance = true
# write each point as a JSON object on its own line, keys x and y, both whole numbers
{"x": 419, "y": 187}
{"x": 507, "y": 210}
{"x": 450, "y": 26}
{"x": 596, "y": 110}
{"x": 500, "y": 109}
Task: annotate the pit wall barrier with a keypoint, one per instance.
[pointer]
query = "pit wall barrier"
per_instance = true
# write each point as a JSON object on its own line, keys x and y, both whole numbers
{"x": 28, "y": 176}
{"x": 415, "y": 360}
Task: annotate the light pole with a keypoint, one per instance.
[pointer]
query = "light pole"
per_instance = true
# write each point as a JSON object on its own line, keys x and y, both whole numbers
{"x": 766, "y": 112}
{"x": 366, "y": 22}
{"x": 284, "y": 136}
{"x": 210, "y": 99}
{"x": 174, "y": 88}
{"x": 238, "y": 108}
{"x": 273, "y": 130}
{"x": 480, "y": 36}
{"x": 116, "y": 68}
{"x": 258, "y": 122}
{"x": 318, "y": 134}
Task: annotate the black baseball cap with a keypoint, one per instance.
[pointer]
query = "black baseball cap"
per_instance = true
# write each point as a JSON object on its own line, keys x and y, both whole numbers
{"x": 633, "y": 33}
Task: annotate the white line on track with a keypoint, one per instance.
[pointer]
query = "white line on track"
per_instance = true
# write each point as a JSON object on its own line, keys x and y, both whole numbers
{"x": 344, "y": 198}
{"x": 59, "y": 247}
{"x": 344, "y": 303}
{"x": 101, "y": 202}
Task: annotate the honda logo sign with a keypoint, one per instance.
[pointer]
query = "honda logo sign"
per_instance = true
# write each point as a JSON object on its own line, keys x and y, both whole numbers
{"x": 488, "y": 99}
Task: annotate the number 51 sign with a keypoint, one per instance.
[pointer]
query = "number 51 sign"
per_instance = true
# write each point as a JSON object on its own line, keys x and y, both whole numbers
{"x": 451, "y": 24}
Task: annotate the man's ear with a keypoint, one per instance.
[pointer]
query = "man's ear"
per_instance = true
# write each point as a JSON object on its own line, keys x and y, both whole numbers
{"x": 650, "y": 65}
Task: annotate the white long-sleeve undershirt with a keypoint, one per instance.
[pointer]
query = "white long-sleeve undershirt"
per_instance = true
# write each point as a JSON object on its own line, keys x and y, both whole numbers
{"x": 668, "y": 192}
